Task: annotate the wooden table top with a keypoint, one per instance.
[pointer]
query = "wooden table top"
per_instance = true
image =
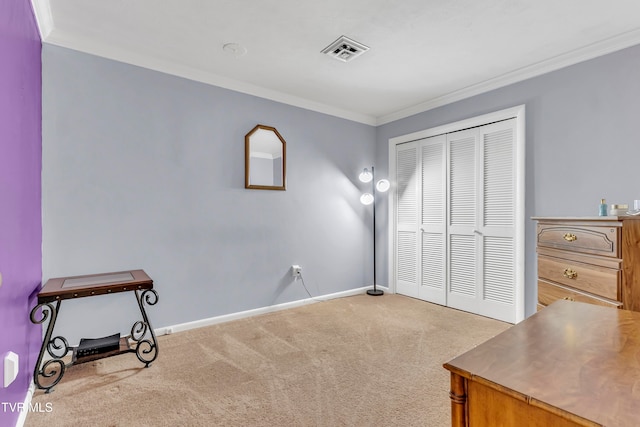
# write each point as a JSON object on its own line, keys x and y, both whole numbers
{"x": 61, "y": 288}
{"x": 580, "y": 358}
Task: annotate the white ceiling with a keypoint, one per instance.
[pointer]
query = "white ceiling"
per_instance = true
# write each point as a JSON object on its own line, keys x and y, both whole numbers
{"x": 423, "y": 53}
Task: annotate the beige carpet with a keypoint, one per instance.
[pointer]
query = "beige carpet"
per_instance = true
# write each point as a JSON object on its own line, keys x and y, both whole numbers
{"x": 356, "y": 361}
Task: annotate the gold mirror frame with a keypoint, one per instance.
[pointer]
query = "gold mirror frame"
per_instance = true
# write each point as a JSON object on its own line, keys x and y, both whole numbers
{"x": 272, "y": 147}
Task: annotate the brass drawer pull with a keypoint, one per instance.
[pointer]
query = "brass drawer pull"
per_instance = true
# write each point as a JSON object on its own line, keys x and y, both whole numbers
{"x": 568, "y": 299}
{"x": 569, "y": 273}
{"x": 570, "y": 237}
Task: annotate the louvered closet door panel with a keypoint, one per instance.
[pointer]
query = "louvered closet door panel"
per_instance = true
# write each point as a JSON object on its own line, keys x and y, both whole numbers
{"x": 433, "y": 267}
{"x": 463, "y": 250}
{"x": 434, "y": 215}
{"x": 462, "y": 179}
{"x": 407, "y": 268}
{"x": 407, "y": 219}
{"x": 433, "y": 183}
{"x": 462, "y": 264}
{"x": 499, "y": 270}
{"x": 499, "y": 176}
{"x": 497, "y": 230}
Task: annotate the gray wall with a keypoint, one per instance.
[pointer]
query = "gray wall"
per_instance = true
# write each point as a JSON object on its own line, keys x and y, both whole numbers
{"x": 146, "y": 170}
{"x": 581, "y": 135}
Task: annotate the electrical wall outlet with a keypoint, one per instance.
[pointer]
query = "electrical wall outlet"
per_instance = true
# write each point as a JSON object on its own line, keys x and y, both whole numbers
{"x": 296, "y": 270}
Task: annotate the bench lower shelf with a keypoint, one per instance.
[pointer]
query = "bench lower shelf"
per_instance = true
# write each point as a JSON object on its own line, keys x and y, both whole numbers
{"x": 125, "y": 347}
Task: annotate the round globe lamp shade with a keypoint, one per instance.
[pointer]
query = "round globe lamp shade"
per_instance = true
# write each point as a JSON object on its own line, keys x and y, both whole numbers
{"x": 366, "y": 199}
{"x": 383, "y": 185}
{"x": 365, "y": 175}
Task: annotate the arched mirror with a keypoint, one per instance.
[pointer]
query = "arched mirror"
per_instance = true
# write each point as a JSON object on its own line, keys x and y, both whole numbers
{"x": 265, "y": 159}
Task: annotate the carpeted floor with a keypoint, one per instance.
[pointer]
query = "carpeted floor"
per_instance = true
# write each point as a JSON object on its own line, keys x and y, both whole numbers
{"x": 356, "y": 361}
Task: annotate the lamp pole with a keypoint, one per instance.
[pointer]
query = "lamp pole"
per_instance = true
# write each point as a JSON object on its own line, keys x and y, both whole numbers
{"x": 375, "y": 292}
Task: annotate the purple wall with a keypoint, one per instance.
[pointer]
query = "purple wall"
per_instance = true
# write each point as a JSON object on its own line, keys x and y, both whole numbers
{"x": 20, "y": 193}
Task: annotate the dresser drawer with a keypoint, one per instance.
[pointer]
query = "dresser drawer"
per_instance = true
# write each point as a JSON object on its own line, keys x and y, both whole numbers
{"x": 590, "y": 278}
{"x": 548, "y": 293}
{"x": 598, "y": 240}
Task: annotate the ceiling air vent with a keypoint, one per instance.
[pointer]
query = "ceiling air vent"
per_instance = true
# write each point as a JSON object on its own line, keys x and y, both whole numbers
{"x": 345, "y": 49}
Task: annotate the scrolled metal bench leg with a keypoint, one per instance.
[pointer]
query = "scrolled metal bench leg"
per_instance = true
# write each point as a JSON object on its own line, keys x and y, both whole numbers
{"x": 146, "y": 348}
{"x": 57, "y": 347}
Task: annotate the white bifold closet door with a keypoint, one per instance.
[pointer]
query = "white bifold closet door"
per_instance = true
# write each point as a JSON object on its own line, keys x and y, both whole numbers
{"x": 455, "y": 219}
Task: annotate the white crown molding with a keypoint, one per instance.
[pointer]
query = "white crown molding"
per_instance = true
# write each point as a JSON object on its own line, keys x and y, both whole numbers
{"x": 44, "y": 18}
{"x": 58, "y": 38}
{"x": 146, "y": 61}
{"x": 592, "y": 51}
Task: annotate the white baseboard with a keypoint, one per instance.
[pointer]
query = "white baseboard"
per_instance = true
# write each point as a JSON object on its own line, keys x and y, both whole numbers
{"x": 27, "y": 402}
{"x": 255, "y": 312}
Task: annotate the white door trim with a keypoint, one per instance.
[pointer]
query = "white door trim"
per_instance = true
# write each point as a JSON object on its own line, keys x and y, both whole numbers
{"x": 518, "y": 113}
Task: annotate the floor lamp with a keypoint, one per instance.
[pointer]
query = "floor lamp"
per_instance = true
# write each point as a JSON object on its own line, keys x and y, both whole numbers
{"x": 368, "y": 199}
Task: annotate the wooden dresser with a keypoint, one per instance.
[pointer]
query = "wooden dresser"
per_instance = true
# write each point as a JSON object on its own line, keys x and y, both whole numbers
{"x": 571, "y": 364}
{"x": 589, "y": 259}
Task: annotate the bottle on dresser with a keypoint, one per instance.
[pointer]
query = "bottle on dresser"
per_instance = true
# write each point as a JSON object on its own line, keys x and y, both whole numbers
{"x": 603, "y": 208}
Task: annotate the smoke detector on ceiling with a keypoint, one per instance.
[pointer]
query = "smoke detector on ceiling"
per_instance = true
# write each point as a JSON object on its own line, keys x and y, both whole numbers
{"x": 345, "y": 49}
{"x": 234, "y": 49}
